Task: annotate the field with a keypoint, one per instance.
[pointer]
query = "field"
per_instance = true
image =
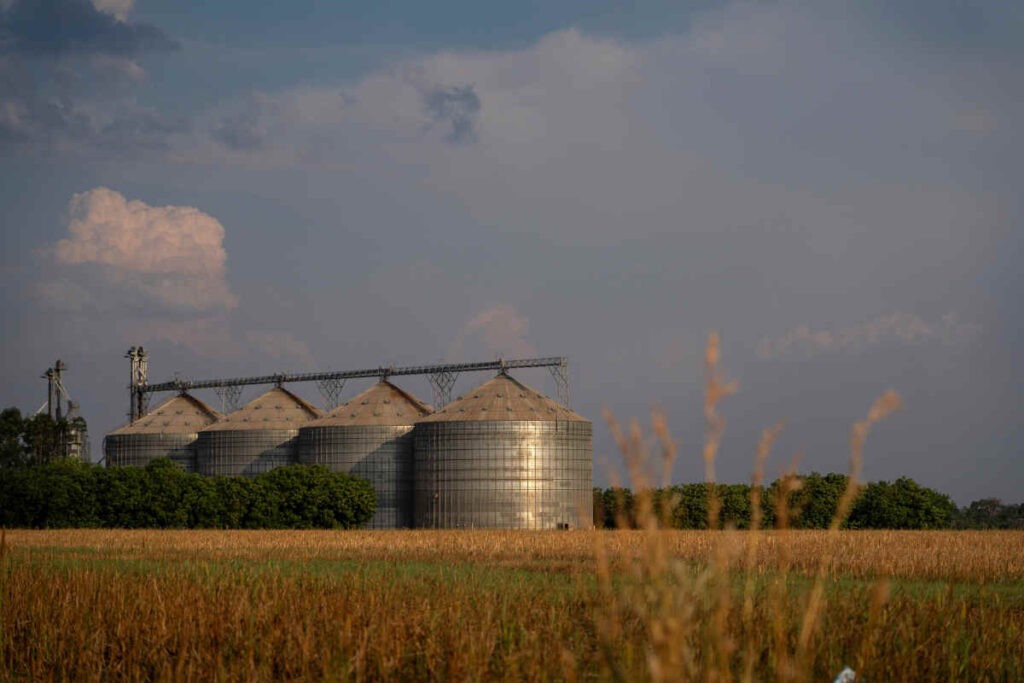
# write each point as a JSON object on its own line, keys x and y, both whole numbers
{"x": 474, "y": 605}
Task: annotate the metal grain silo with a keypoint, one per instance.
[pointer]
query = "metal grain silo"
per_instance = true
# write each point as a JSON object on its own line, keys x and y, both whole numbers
{"x": 503, "y": 457}
{"x": 256, "y": 438}
{"x": 370, "y": 436}
{"x": 168, "y": 431}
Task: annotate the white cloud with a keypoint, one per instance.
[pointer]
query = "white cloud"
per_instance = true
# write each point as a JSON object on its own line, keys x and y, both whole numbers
{"x": 162, "y": 258}
{"x": 898, "y": 328}
{"x": 119, "y": 8}
{"x": 495, "y": 331}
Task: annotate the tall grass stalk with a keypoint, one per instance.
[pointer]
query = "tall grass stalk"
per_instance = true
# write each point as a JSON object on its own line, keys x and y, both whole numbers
{"x": 688, "y": 614}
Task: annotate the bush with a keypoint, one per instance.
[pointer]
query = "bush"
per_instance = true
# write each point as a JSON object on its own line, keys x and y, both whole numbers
{"x": 903, "y": 504}
{"x": 73, "y": 494}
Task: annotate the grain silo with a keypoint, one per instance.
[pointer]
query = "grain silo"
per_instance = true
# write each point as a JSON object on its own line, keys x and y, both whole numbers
{"x": 256, "y": 438}
{"x": 503, "y": 457}
{"x": 370, "y": 436}
{"x": 168, "y": 431}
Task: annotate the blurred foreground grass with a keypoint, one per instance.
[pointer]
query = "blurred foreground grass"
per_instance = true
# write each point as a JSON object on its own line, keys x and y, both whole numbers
{"x": 474, "y": 605}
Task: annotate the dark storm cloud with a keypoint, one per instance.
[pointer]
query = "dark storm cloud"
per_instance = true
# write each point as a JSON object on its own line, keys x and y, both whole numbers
{"x": 65, "y": 71}
{"x": 61, "y": 27}
{"x": 459, "y": 106}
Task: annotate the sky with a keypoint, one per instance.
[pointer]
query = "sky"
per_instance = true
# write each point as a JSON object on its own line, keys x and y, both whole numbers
{"x": 250, "y": 188}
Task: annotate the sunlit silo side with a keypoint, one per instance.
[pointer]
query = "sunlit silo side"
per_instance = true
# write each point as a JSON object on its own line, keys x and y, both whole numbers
{"x": 503, "y": 457}
{"x": 168, "y": 431}
{"x": 256, "y": 438}
{"x": 370, "y": 436}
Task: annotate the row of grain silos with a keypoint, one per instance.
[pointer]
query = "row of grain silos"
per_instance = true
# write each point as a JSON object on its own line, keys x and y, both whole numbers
{"x": 503, "y": 456}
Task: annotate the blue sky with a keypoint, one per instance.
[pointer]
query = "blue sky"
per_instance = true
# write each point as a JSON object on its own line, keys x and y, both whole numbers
{"x": 834, "y": 187}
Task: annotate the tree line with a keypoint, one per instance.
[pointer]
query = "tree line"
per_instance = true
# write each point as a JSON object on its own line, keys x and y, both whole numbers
{"x": 39, "y": 488}
{"x": 901, "y": 504}
{"x": 69, "y": 493}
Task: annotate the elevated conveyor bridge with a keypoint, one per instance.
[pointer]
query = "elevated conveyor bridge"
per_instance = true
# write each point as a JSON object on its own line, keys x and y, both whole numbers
{"x": 442, "y": 379}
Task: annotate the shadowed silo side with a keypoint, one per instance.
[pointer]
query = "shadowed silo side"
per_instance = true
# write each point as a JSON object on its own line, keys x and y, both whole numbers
{"x": 168, "y": 431}
{"x": 370, "y": 436}
{"x": 256, "y": 438}
{"x": 503, "y": 457}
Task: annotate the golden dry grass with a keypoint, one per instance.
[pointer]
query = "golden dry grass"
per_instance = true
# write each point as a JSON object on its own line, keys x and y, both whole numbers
{"x": 976, "y": 556}
{"x": 475, "y": 605}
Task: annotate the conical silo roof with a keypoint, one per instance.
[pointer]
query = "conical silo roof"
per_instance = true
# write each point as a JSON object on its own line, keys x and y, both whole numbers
{"x": 382, "y": 404}
{"x": 277, "y": 408}
{"x": 503, "y": 398}
{"x": 182, "y": 414}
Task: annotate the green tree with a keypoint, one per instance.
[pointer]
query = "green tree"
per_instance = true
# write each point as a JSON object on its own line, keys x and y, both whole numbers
{"x": 599, "y": 520}
{"x": 121, "y": 498}
{"x": 990, "y": 513}
{"x": 20, "y": 496}
{"x": 617, "y": 503}
{"x": 199, "y": 499}
{"x": 163, "y": 489}
{"x": 814, "y": 503}
{"x": 691, "y": 506}
{"x": 903, "y": 504}
{"x": 735, "y": 500}
{"x": 234, "y": 498}
{"x": 42, "y": 437}
{"x": 12, "y": 449}
{"x": 70, "y": 500}
{"x": 347, "y": 502}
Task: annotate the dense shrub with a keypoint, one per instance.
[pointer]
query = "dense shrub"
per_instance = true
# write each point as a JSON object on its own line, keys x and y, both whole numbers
{"x": 903, "y": 504}
{"x": 989, "y": 513}
{"x": 69, "y": 493}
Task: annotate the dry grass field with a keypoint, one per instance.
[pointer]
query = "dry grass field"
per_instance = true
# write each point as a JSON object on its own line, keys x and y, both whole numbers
{"x": 475, "y": 605}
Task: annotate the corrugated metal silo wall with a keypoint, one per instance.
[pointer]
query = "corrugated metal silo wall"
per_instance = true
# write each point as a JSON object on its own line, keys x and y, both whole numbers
{"x": 245, "y": 452}
{"x": 382, "y": 455}
{"x": 503, "y": 475}
{"x": 125, "y": 450}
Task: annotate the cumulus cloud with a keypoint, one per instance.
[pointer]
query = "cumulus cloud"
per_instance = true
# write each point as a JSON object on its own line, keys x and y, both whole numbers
{"x": 169, "y": 257}
{"x": 898, "y": 328}
{"x": 495, "y": 331}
